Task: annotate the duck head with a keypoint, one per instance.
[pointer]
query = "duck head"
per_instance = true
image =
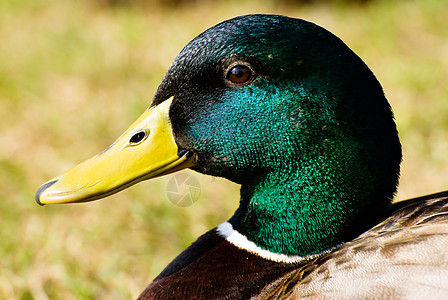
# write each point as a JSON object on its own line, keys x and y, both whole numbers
{"x": 277, "y": 104}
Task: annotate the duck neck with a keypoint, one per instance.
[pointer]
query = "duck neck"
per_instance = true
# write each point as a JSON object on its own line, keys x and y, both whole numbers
{"x": 316, "y": 204}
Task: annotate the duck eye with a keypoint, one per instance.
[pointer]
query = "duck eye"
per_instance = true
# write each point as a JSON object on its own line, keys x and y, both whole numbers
{"x": 138, "y": 137}
{"x": 239, "y": 74}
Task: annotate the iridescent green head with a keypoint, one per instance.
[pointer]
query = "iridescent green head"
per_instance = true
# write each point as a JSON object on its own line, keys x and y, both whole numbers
{"x": 285, "y": 108}
{"x": 282, "y": 107}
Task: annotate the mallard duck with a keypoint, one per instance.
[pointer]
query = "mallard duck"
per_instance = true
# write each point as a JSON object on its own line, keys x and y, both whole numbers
{"x": 284, "y": 108}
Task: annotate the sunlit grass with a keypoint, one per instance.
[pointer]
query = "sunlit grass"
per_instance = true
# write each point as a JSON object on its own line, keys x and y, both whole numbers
{"x": 75, "y": 74}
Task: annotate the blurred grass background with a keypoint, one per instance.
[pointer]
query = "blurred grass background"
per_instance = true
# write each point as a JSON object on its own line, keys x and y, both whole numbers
{"x": 75, "y": 74}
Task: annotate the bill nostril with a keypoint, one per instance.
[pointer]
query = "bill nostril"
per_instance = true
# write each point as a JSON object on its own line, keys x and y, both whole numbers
{"x": 138, "y": 137}
{"x": 42, "y": 189}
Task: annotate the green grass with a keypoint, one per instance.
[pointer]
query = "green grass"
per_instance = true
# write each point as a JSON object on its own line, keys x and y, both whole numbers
{"x": 75, "y": 74}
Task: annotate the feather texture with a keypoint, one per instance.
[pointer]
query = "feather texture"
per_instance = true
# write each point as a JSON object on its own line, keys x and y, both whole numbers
{"x": 403, "y": 257}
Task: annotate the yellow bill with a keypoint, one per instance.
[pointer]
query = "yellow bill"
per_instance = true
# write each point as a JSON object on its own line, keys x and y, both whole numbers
{"x": 146, "y": 150}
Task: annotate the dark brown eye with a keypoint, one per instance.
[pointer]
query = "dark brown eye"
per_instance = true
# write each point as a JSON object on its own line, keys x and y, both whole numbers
{"x": 239, "y": 74}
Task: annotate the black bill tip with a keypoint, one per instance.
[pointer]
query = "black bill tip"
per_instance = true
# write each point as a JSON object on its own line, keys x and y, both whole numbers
{"x": 42, "y": 189}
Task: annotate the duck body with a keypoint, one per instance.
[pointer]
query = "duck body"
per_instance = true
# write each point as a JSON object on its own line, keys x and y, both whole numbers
{"x": 215, "y": 268}
{"x": 284, "y": 108}
{"x": 403, "y": 257}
